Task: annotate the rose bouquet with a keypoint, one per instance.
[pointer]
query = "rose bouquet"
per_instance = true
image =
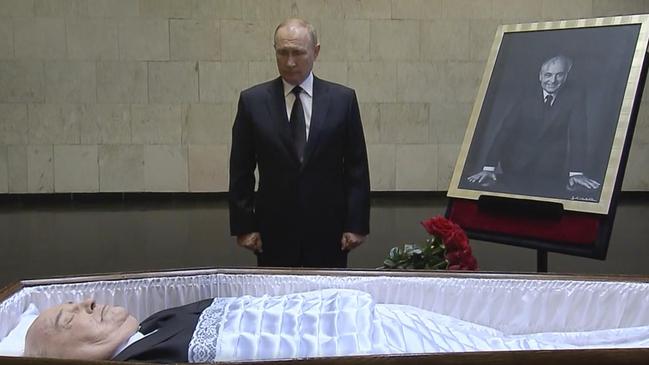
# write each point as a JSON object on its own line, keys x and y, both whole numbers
{"x": 447, "y": 248}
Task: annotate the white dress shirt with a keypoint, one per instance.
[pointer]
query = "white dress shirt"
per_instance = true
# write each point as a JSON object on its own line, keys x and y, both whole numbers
{"x": 545, "y": 95}
{"x": 306, "y": 97}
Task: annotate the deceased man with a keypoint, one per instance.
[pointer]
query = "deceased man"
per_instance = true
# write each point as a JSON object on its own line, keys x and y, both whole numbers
{"x": 330, "y": 322}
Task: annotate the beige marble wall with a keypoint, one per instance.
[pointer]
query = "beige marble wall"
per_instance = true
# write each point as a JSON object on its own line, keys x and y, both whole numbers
{"x": 139, "y": 95}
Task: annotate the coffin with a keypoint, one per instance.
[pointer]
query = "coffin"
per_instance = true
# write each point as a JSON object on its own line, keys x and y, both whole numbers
{"x": 512, "y": 303}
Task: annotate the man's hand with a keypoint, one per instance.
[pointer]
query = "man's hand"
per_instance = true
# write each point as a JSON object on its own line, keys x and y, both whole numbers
{"x": 350, "y": 240}
{"x": 583, "y": 181}
{"x": 251, "y": 241}
{"x": 484, "y": 178}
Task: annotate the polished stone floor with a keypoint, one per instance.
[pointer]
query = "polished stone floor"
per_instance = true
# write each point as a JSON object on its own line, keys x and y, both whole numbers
{"x": 75, "y": 235}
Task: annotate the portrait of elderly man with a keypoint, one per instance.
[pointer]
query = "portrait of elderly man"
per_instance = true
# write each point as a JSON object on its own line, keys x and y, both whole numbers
{"x": 541, "y": 146}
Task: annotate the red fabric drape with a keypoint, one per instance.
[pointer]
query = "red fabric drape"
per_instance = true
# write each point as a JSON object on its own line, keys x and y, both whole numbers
{"x": 571, "y": 228}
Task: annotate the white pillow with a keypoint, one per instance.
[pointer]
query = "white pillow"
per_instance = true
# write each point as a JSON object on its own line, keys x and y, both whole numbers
{"x": 14, "y": 343}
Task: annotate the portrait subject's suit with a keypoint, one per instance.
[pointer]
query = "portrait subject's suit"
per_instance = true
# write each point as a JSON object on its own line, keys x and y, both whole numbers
{"x": 300, "y": 209}
{"x": 538, "y": 145}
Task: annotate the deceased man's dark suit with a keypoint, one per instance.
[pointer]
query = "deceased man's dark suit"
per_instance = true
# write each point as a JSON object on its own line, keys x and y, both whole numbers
{"x": 173, "y": 331}
{"x": 538, "y": 146}
{"x": 300, "y": 210}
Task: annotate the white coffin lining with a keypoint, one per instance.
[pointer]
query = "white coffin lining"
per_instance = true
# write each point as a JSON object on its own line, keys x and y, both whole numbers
{"x": 514, "y": 306}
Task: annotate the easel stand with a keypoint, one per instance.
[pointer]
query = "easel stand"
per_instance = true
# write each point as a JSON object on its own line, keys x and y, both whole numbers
{"x": 543, "y": 226}
{"x": 541, "y": 261}
{"x": 537, "y": 210}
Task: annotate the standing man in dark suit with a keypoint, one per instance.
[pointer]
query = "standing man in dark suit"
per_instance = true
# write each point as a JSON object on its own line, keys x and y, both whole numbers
{"x": 304, "y": 135}
{"x": 541, "y": 146}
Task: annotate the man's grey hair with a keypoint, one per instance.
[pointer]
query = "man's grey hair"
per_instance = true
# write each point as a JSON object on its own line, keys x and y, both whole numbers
{"x": 567, "y": 61}
{"x": 301, "y": 22}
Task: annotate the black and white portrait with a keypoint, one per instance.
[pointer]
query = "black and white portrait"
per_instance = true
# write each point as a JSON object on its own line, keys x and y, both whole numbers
{"x": 548, "y": 120}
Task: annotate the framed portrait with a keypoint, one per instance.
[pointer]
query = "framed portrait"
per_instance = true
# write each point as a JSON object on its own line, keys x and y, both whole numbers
{"x": 554, "y": 114}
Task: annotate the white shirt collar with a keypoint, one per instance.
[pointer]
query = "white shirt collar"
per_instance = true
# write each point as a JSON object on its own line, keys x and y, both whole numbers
{"x": 136, "y": 337}
{"x": 554, "y": 95}
{"x": 306, "y": 85}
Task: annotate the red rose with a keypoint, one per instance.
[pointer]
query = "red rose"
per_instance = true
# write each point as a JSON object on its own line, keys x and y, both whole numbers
{"x": 469, "y": 263}
{"x": 461, "y": 260}
{"x": 457, "y": 257}
{"x": 450, "y": 245}
{"x": 454, "y": 258}
{"x": 457, "y": 241}
{"x": 439, "y": 227}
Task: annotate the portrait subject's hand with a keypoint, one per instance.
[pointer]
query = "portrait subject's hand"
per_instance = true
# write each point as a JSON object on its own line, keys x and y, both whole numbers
{"x": 251, "y": 241}
{"x": 582, "y": 180}
{"x": 484, "y": 178}
{"x": 350, "y": 240}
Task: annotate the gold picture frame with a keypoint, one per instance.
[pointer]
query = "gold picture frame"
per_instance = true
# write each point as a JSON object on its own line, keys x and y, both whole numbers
{"x": 599, "y": 62}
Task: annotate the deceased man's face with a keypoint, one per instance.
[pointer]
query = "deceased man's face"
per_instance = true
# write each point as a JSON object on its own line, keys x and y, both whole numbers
{"x": 83, "y": 330}
{"x": 553, "y": 75}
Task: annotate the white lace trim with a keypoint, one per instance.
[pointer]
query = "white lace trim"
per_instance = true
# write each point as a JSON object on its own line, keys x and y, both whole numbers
{"x": 204, "y": 343}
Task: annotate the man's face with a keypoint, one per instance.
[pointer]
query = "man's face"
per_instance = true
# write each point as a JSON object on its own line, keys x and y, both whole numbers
{"x": 83, "y": 330}
{"x": 295, "y": 53}
{"x": 553, "y": 75}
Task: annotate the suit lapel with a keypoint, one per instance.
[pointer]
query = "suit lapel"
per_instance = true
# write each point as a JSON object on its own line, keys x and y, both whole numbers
{"x": 148, "y": 342}
{"x": 277, "y": 110}
{"x": 320, "y": 106}
{"x": 550, "y": 118}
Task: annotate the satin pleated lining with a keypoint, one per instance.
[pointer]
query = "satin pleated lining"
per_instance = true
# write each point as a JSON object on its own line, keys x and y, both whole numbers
{"x": 340, "y": 322}
{"x": 512, "y": 306}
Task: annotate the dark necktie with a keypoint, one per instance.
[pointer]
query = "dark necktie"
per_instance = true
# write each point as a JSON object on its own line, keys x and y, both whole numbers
{"x": 298, "y": 124}
{"x": 548, "y": 101}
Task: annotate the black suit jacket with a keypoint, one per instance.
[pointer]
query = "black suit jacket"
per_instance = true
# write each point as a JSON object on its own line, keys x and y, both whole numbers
{"x": 300, "y": 210}
{"x": 537, "y": 146}
{"x": 170, "y": 342}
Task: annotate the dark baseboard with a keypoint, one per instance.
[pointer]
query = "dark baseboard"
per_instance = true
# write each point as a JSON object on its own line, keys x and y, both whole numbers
{"x": 17, "y": 200}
